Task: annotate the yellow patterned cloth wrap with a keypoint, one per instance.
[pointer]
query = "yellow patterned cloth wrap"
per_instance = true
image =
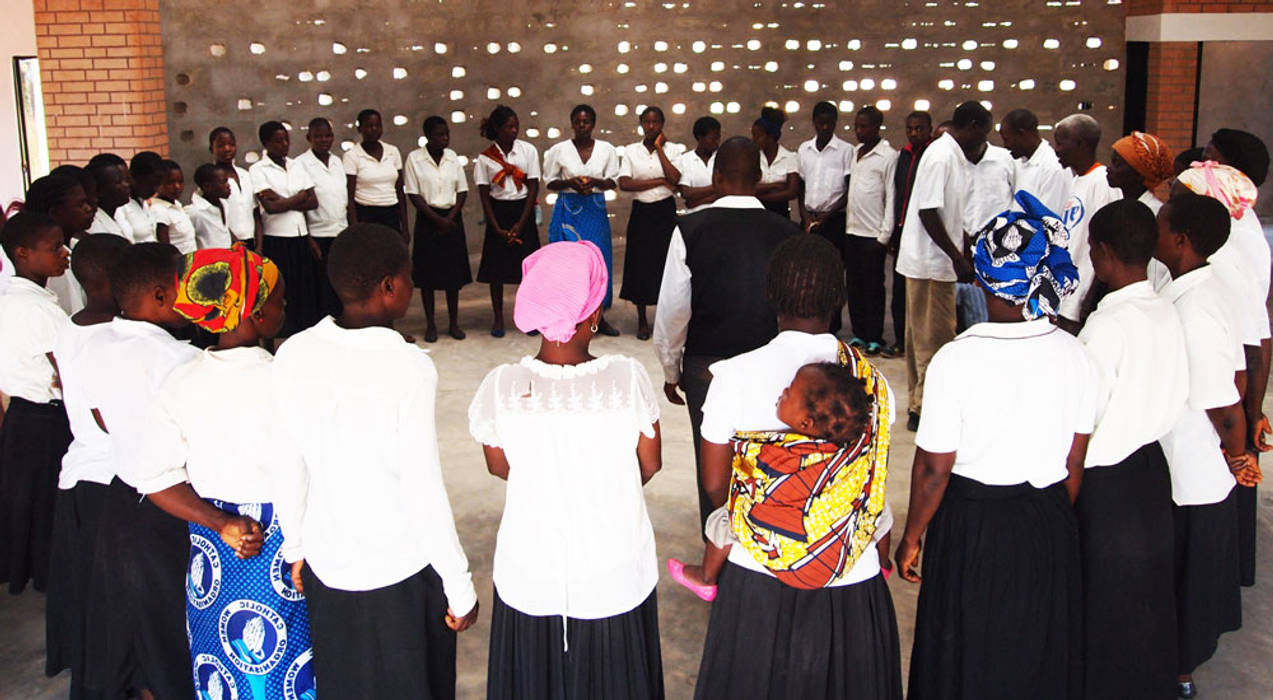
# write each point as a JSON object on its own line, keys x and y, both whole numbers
{"x": 807, "y": 508}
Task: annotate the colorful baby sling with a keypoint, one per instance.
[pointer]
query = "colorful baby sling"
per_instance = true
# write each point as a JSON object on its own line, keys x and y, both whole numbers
{"x": 806, "y": 508}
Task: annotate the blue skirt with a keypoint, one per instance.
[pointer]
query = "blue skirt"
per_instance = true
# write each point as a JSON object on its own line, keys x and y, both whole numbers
{"x": 578, "y": 217}
{"x": 248, "y": 626}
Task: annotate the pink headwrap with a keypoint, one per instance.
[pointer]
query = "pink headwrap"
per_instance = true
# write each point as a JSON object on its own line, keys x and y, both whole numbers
{"x": 562, "y": 284}
{"x": 1228, "y": 185}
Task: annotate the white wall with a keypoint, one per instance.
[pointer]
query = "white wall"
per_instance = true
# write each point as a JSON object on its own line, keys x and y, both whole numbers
{"x": 17, "y": 39}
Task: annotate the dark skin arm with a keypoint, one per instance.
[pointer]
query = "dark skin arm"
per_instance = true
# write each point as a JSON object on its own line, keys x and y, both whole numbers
{"x": 402, "y": 208}
{"x": 717, "y": 466}
{"x": 930, "y": 473}
{"x": 936, "y": 230}
{"x": 241, "y": 533}
{"x": 698, "y": 196}
{"x": 780, "y": 191}
{"x": 1074, "y": 465}
{"x": 161, "y": 232}
{"x": 304, "y": 200}
{"x": 351, "y": 183}
{"x": 445, "y": 222}
{"x": 1230, "y": 424}
{"x": 532, "y": 195}
{"x": 1257, "y": 381}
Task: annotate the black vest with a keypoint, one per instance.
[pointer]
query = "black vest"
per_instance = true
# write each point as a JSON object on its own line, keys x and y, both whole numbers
{"x": 727, "y": 251}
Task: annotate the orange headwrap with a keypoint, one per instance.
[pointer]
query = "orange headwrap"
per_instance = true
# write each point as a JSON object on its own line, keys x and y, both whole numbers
{"x": 218, "y": 287}
{"x": 1148, "y": 155}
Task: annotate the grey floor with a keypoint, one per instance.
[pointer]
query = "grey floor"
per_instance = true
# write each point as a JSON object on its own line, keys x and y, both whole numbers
{"x": 1240, "y": 670}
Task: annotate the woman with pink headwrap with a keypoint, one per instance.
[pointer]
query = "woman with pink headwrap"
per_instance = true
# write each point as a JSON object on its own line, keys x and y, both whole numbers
{"x": 576, "y": 437}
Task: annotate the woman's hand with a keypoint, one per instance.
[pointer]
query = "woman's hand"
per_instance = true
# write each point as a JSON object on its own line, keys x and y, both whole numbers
{"x": 314, "y": 250}
{"x": 1258, "y": 433}
{"x": 296, "y": 576}
{"x": 459, "y": 624}
{"x": 659, "y": 140}
{"x": 907, "y": 558}
{"x": 243, "y": 535}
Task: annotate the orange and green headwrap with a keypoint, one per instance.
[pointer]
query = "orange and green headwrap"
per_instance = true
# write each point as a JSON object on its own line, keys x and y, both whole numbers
{"x": 1148, "y": 155}
{"x": 218, "y": 287}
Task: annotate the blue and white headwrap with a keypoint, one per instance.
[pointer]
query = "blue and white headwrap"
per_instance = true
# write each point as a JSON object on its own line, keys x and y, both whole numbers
{"x": 1021, "y": 257}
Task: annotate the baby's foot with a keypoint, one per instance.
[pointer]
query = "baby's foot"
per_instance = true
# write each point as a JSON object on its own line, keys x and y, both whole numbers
{"x": 692, "y": 578}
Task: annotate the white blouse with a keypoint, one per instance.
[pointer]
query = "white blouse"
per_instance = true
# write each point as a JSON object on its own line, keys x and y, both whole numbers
{"x": 575, "y": 538}
{"x": 695, "y": 173}
{"x": 330, "y": 186}
{"x": 210, "y": 228}
{"x": 90, "y": 457}
{"x": 181, "y": 233}
{"x": 785, "y": 162}
{"x": 523, "y": 156}
{"x": 376, "y": 180}
{"x": 640, "y": 163}
{"x": 438, "y": 183}
{"x": 562, "y": 162}
{"x": 286, "y": 181}
{"x": 239, "y": 205}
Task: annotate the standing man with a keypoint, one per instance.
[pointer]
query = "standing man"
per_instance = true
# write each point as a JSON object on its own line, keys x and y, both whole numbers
{"x": 825, "y": 163}
{"x": 1077, "y": 137}
{"x": 990, "y": 190}
{"x": 869, "y": 226}
{"x": 1038, "y": 170}
{"x": 919, "y": 133}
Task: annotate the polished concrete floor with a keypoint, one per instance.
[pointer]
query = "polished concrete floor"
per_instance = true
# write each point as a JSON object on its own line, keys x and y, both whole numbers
{"x": 1240, "y": 670}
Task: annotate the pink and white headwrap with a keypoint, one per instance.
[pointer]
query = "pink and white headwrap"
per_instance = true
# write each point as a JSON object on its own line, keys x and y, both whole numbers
{"x": 1226, "y": 184}
{"x": 562, "y": 284}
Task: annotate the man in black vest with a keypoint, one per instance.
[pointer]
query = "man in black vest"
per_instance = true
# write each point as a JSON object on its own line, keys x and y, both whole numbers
{"x": 712, "y": 304}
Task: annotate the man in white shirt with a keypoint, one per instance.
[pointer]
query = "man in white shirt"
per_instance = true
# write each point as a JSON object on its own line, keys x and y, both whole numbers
{"x": 1077, "y": 137}
{"x": 331, "y": 216}
{"x": 868, "y": 227}
{"x": 1038, "y": 171}
{"x": 825, "y": 163}
{"x": 991, "y": 187}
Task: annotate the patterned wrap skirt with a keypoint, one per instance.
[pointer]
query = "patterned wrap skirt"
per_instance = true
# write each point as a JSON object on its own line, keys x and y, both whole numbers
{"x": 248, "y": 626}
{"x": 583, "y": 217}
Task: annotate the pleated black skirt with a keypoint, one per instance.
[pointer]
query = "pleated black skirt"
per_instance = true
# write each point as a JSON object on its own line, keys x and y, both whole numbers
{"x": 1000, "y": 608}
{"x": 439, "y": 259}
{"x": 1208, "y": 596}
{"x": 385, "y": 216}
{"x": 502, "y": 261}
{"x": 649, "y": 234}
{"x": 388, "y": 642}
{"x": 295, "y": 261}
{"x": 33, "y": 439}
{"x": 1248, "y": 500}
{"x": 615, "y": 657}
{"x": 768, "y": 640}
{"x": 1129, "y": 593}
{"x": 76, "y": 520}
{"x": 328, "y": 303}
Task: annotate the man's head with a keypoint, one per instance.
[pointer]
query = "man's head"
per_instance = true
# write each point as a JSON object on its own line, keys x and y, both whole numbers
{"x": 1019, "y": 132}
{"x": 867, "y": 123}
{"x": 919, "y": 128}
{"x": 971, "y": 126}
{"x": 737, "y": 166}
{"x": 1077, "y": 137}
{"x": 824, "y": 118}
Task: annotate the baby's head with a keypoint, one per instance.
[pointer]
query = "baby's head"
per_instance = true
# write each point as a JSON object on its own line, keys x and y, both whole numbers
{"x": 826, "y": 401}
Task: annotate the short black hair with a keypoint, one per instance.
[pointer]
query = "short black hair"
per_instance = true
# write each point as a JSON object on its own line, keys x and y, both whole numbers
{"x": 204, "y": 173}
{"x": 921, "y": 114}
{"x": 432, "y": 122}
{"x": 145, "y": 164}
{"x": 48, "y": 193}
{"x": 1128, "y": 228}
{"x": 771, "y": 121}
{"x": 805, "y": 278}
{"x": 268, "y": 129}
{"x": 24, "y": 230}
{"x": 825, "y": 109}
{"x": 498, "y": 118}
{"x": 704, "y": 126}
{"x": 1185, "y": 159}
{"x": 102, "y": 169}
{"x": 586, "y": 109}
{"x": 364, "y": 115}
{"x": 1244, "y": 151}
{"x": 1021, "y": 120}
{"x": 655, "y": 110}
{"x": 76, "y": 173}
{"x": 102, "y": 159}
{"x": 96, "y": 254}
{"x": 972, "y": 113}
{"x": 140, "y": 268}
{"x": 873, "y": 113}
{"x": 1203, "y": 220}
{"x": 363, "y": 255}
{"x": 317, "y": 122}
{"x": 738, "y": 160}
{"x": 837, "y": 402}
{"x": 167, "y": 166}
{"x": 212, "y": 135}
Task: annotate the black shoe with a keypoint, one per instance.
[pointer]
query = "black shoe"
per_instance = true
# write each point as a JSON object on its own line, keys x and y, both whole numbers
{"x": 892, "y": 351}
{"x": 431, "y": 335}
{"x": 1186, "y": 689}
{"x": 604, "y": 328}
{"x": 912, "y": 421}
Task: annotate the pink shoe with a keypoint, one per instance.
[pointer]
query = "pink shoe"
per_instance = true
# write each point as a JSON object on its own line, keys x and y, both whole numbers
{"x": 676, "y": 568}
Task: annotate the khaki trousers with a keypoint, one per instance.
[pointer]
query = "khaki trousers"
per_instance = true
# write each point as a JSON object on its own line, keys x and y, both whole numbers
{"x": 930, "y": 324}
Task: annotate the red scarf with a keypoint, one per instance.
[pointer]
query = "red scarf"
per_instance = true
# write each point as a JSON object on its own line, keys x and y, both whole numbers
{"x": 506, "y": 169}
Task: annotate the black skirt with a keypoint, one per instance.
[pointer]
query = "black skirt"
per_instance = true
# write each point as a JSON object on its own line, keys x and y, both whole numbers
{"x": 1208, "y": 596}
{"x": 1129, "y": 593}
{"x": 614, "y": 657}
{"x": 768, "y": 640}
{"x": 649, "y": 234}
{"x": 783, "y": 208}
{"x": 390, "y": 216}
{"x": 1248, "y": 501}
{"x": 76, "y": 520}
{"x": 502, "y": 261}
{"x": 439, "y": 260}
{"x": 295, "y": 261}
{"x": 33, "y": 439}
{"x": 389, "y": 642}
{"x": 1000, "y": 608}
{"x": 328, "y": 303}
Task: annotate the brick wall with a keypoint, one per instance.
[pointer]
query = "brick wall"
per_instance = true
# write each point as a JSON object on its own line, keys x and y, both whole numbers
{"x": 1170, "y": 98}
{"x": 101, "y": 64}
{"x": 1156, "y": 7}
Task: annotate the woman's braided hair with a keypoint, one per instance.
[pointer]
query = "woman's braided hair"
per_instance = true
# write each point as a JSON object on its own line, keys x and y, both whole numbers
{"x": 806, "y": 278}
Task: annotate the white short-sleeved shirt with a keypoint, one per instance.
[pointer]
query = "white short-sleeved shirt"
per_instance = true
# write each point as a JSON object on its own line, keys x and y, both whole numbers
{"x": 1137, "y": 347}
{"x": 785, "y": 162}
{"x": 640, "y": 163}
{"x": 239, "y": 206}
{"x": 824, "y": 171}
{"x": 105, "y": 223}
{"x": 870, "y": 204}
{"x": 376, "y": 183}
{"x": 991, "y": 181}
{"x": 6, "y": 271}
{"x": 1009, "y": 398}
{"x": 330, "y": 186}
{"x": 523, "y": 156}
{"x": 285, "y": 180}
{"x": 561, "y": 162}
{"x": 1243, "y": 262}
{"x": 181, "y": 233}
{"x": 1199, "y": 473}
{"x": 70, "y": 293}
{"x": 1042, "y": 176}
{"x": 90, "y": 456}
{"x": 575, "y": 538}
{"x": 941, "y": 183}
{"x": 209, "y": 220}
{"x": 695, "y": 173}
{"x": 744, "y": 395}
{"x": 438, "y": 183}
{"x": 30, "y": 321}
{"x": 1090, "y": 192}
{"x": 136, "y": 217}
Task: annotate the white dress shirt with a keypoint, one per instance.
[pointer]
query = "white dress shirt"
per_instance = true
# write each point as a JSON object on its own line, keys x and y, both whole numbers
{"x": 90, "y": 456}
{"x": 209, "y": 220}
{"x": 941, "y": 183}
{"x": 695, "y": 173}
{"x": 30, "y": 320}
{"x": 575, "y": 539}
{"x": 991, "y": 183}
{"x": 358, "y": 405}
{"x": 824, "y": 172}
{"x": 524, "y": 156}
{"x": 1090, "y": 192}
{"x": 1243, "y": 263}
{"x": 1008, "y": 398}
{"x": 285, "y": 180}
{"x": 240, "y": 204}
{"x": 136, "y": 218}
{"x": 561, "y": 162}
{"x": 1137, "y": 346}
{"x": 1042, "y": 176}
{"x": 640, "y": 163}
{"x": 785, "y": 162}
{"x": 743, "y": 397}
{"x": 332, "y": 189}
{"x": 672, "y": 322}
{"x": 870, "y": 205}
{"x": 1199, "y": 473}
{"x": 70, "y": 293}
{"x": 181, "y": 233}
{"x": 376, "y": 180}
{"x": 105, "y": 223}
{"x": 438, "y": 183}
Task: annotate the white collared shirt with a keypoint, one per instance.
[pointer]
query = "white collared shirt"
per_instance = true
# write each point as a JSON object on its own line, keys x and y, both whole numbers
{"x": 209, "y": 220}
{"x": 1243, "y": 262}
{"x": 369, "y": 455}
{"x": 439, "y": 184}
{"x": 824, "y": 171}
{"x": 1199, "y": 473}
{"x": 941, "y": 183}
{"x": 1042, "y": 176}
{"x": 744, "y": 395}
{"x": 991, "y": 183}
{"x": 695, "y": 173}
{"x": 1008, "y": 399}
{"x": 90, "y": 456}
{"x": 375, "y": 181}
{"x": 137, "y": 220}
{"x": 561, "y": 162}
{"x": 1089, "y": 193}
{"x": 640, "y": 163}
{"x": 6, "y": 271}
{"x": 181, "y": 233}
{"x": 332, "y": 189}
{"x": 785, "y": 162}
{"x": 285, "y": 180}
{"x": 1137, "y": 346}
{"x": 870, "y": 204}
{"x": 575, "y": 538}
{"x": 30, "y": 320}
{"x": 239, "y": 205}
{"x": 672, "y": 322}
{"x": 70, "y": 294}
{"x": 105, "y": 223}
{"x": 523, "y": 156}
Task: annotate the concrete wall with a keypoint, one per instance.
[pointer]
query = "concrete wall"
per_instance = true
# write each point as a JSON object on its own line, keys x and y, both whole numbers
{"x": 1250, "y": 108}
{"x": 17, "y": 39}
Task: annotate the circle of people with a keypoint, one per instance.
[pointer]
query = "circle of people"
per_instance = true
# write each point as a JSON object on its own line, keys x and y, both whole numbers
{"x": 214, "y": 517}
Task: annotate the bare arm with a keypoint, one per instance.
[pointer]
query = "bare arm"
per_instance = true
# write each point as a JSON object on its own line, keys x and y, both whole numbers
{"x": 631, "y": 184}
{"x": 161, "y": 233}
{"x": 781, "y": 191}
{"x": 717, "y": 465}
{"x": 698, "y": 196}
{"x": 351, "y": 183}
{"x": 650, "y": 454}
{"x": 241, "y": 533}
{"x": 484, "y": 194}
{"x": 936, "y": 231}
{"x": 1074, "y": 465}
{"x": 532, "y": 196}
{"x": 496, "y": 461}
{"x": 1257, "y": 382}
{"x": 930, "y": 473}
{"x": 402, "y": 208}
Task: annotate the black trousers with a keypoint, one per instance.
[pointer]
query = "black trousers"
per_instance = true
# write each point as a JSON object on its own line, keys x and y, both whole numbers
{"x": 695, "y": 378}
{"x": 864, "y": 275}
{"x": 832, "y": 229}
